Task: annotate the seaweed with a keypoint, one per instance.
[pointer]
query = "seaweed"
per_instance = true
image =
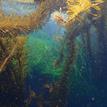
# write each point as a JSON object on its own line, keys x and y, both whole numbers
{"x": 18, "y": 52}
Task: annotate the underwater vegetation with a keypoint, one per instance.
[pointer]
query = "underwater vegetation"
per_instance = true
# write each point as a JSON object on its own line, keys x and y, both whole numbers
{"x": 54, "y": 56}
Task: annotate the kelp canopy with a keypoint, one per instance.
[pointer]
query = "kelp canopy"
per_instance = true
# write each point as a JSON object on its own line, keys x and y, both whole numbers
{"x": 23, "y": 24}
{"x": 16, "y": 25}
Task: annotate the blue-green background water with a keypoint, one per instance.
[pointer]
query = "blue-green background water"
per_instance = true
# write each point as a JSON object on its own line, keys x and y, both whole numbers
{"x": 87, "y": 84}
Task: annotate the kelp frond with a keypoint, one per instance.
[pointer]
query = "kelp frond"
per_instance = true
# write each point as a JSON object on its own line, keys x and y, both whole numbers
{"x": 76, "y": 7}
{"x": 13, "y": 25}
{"x": 19, "y": 42}
{"x": 23, "y": 24}
{"x": 6, "y": 60}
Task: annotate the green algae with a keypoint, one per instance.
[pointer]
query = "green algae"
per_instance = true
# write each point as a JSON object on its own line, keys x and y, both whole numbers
{"x": 42, "y": 53}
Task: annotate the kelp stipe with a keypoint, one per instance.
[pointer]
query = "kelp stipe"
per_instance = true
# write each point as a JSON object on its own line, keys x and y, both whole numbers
{"x": 76, "y": 23}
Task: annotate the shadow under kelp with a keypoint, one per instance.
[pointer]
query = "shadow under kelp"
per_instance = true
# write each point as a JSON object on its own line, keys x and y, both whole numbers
{"x": 11, "y": 95}
{"x": 38, "y": 88}
{"x": 12, "y": 72}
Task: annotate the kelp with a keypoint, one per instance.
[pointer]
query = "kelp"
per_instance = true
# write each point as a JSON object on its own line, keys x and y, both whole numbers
{"x": 11, "y": 50}
{"x": 13, "y": 68}
{"x": 13, "y": 24}
{"x": 78, "y": 13}
{"x": 13, "y": 54}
